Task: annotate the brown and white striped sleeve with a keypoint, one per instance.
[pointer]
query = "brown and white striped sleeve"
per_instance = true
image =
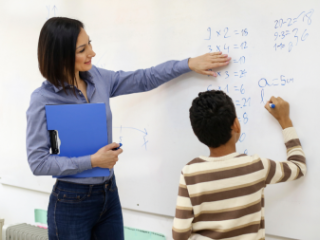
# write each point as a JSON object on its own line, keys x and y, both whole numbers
{"x": 182, "y": 223}
{"x": 295, "y": 166}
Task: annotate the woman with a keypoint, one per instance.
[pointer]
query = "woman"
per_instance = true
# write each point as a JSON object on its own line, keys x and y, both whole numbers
{"x": 87, "y": 208}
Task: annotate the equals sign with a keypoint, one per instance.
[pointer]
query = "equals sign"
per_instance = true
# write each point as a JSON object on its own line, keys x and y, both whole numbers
{"x": 236, "y": 88}
{"x": 235, "y": 46}
{"x": 237, "y": 103}
{"x": 235, "y": 61}
{"x": 276, "y": 79}
{"x": 287, "y": 32}
{"x": 236, "y": 32}
{"x": 235, "y": 73}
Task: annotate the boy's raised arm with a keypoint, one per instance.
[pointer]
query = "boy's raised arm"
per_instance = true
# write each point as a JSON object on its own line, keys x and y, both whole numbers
{"x": 295, "y": 166}
{"x": 182, "y": 223}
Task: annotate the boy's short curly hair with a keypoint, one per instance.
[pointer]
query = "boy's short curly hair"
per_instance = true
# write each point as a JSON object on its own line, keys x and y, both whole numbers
{"x": 212, "y": 114}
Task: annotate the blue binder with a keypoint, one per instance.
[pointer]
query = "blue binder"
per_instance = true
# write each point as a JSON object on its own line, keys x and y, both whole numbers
{"x": 82, "y": 130}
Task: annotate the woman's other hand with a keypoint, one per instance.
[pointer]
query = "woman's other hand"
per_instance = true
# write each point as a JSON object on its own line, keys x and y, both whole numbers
{"x": 106, "y": 157}
{"x": 205, "y": 63}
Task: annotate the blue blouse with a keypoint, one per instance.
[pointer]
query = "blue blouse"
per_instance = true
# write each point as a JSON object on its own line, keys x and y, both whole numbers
{"x": 102, "y": 85}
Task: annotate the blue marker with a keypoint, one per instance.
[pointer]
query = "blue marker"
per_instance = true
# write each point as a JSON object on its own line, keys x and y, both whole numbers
{"x": 272, "y": 105}
{"x": 117, "y": 147}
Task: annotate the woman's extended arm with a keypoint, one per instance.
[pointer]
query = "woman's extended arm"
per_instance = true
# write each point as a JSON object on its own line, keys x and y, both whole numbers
{"x": 120, "y": 82}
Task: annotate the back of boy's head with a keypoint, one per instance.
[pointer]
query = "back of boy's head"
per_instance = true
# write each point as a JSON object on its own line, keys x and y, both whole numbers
{"x": 212, "y": 114}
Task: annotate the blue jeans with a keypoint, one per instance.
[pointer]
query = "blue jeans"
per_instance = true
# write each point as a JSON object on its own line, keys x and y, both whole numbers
{"x": 85, "y": 212}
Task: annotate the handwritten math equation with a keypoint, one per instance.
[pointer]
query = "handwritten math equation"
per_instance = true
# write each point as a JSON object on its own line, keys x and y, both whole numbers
{"x": 226, "y": 33}
{"x": 236, "y": 40}
{"x": 289, "y": 33}
{"x": 263, "y": 83}
{"x": 226, "y": 74}
{"x": 292, "y": 31}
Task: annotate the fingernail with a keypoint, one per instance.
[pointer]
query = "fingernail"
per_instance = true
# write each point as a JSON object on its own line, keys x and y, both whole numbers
{"x": 227, "y": 62}
{"x": 225, "y": 55}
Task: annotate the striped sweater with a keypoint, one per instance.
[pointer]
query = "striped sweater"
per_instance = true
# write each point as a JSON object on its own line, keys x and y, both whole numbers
{"x": 223, "y": 198}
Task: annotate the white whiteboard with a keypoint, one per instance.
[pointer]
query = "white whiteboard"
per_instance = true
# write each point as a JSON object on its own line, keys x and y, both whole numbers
{"x": 129, "y": 35}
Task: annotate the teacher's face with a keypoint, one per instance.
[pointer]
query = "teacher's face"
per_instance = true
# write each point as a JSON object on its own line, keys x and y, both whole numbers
{"x": 84, "y": 52}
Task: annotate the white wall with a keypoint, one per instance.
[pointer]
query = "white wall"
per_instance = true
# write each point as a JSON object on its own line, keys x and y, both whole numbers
{"x": 17, "y": 205}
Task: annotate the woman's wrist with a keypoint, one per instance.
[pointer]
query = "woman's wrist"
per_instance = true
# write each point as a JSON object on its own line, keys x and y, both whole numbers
{"x": 93, "y": 160}
{"x": 190, "y": 62}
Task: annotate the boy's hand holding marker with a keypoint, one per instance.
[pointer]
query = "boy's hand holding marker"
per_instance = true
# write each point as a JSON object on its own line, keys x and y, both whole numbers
{"x": 280, "y": 110}
{"x": 107, "y": 156}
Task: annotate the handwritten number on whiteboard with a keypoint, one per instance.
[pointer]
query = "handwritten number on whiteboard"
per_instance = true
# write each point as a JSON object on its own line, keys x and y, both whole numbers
{"x": 246, "y": 101}
{"x": 226, "y": 48}
{"x": 242, "y": 91}
{"x": 54, "y": 10}
{"x": 283, "y": 80}
{"x": 227, "y": 87}
{"x": 245, "y": 118}
{"x": 290, "y": 46}
{"x": 304, "y": 35}
{"x": 242, "y": 59}
{"x": 244, "y": 45}
{"x": 242, "y": 137}
{"x": 244, "y": 32}
{"x": 226, "y": 32}
{"x": 295, "y": 35}
{"x": 209, "y": 30}
{"x": 308, "y": 16}
{"x": 227, "y": 74}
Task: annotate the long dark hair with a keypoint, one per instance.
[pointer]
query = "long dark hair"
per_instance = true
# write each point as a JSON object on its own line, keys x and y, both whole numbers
{"x": 56, "y": 51}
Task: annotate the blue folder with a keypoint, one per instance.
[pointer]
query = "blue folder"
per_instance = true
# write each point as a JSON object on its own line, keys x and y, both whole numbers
{"x": 82, "y": 130}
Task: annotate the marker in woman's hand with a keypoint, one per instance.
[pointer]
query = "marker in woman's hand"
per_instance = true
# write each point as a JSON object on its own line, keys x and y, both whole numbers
{"x": 272, "y": 105}
{"x": 120, "y": 145}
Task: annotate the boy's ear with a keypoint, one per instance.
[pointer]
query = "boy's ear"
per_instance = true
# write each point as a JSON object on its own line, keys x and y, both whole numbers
{"x": 236, "y": 126}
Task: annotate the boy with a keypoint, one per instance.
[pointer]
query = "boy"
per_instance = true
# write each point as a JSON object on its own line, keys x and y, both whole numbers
{"x": 222, "y": 196}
